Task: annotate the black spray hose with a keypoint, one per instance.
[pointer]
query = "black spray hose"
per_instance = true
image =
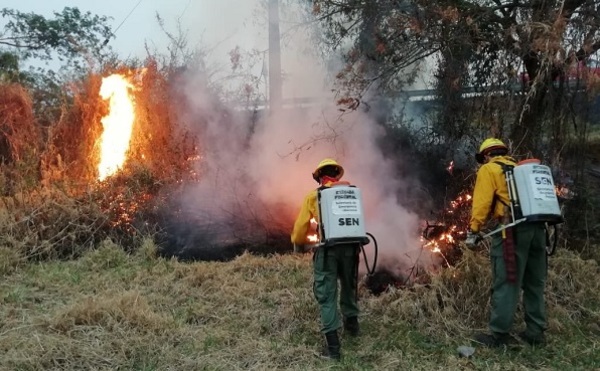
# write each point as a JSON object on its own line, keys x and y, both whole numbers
{"x": 551, "y": 246}
{"x": 370, "y": 270}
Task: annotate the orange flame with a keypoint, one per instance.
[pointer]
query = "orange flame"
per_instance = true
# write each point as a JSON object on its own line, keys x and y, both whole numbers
{"x": 450, "y": 167}
{"x": 564, "y": 192}
{"x": 314, "y": 238}
{"x": 438, "y": 244}
{"x": 118, "y": 124}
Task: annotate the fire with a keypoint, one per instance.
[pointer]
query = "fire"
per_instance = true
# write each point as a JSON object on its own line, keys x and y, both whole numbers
{"x": 450, "y": 167}
{"x": 313, "y": 237}
{"x": 564, "y": 192}
{"x": 441, "y": 238}
{"x": 118, "y": 124}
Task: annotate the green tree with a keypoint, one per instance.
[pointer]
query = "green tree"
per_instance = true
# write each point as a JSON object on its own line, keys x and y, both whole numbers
{"x": 71, "y": 35}
{"x": 77, "y": 40}
{"x": 479, "y": 42}
{"x": 379, "y": 39}
{"x": 9, "y": 68}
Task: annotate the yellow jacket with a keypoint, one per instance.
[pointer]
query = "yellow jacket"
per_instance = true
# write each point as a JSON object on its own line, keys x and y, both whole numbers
{"x": 490, "y": 184}
{"x": 310, "y": 209}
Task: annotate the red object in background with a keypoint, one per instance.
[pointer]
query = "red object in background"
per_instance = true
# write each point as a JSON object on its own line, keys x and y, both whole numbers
{"x": 510, "y": 255}
{"x": 579, "y": 71}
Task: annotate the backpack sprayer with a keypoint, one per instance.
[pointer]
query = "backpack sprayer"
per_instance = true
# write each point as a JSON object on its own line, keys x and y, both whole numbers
{"x": 532, "y": 196}
{"x": 342, "y": 220}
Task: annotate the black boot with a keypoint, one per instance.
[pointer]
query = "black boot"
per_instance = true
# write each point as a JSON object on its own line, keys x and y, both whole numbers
{"x": 533, "y": 339}
{"x": 494, "y": 340}
{"x": 351, "y": 325}
{"x": 333, "y": 346}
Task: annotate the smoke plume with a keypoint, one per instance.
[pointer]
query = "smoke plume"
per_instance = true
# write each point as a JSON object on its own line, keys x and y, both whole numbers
{"x": 256, "y": 167}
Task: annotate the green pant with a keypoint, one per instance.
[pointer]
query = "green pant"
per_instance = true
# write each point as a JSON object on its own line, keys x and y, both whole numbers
{"x": 531, "y": 278}
{"x": 331, "y": 263}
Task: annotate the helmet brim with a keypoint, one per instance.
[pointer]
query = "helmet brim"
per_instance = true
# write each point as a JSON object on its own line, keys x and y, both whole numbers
{"x": 317, "y": 173}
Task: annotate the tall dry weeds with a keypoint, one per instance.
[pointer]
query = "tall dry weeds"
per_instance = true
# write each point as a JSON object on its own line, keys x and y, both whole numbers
{"x": 162, "y": 143}
{"x": 68, "y": 210}
{"x": 457, "y": 299}
{"x": 49, "y": 223}
{"x": 20, "y": 140}
{"x": 71, "y": 151}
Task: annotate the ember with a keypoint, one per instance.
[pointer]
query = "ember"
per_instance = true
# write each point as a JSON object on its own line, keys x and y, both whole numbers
{"x": 563, "y": 192}
{"x": 450, "y": 167}
{"x": 442, "y": 237}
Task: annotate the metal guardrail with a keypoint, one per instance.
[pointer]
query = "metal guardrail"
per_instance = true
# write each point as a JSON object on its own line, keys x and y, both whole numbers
{"x": 412, "y": 95}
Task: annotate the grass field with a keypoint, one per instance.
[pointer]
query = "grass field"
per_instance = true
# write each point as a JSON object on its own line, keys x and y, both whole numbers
{"x": 109, "y": 310}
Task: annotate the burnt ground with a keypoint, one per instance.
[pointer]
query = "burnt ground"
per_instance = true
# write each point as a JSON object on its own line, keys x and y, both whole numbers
{"x": 188, "y": 242}
{"x": 190, "y": 236}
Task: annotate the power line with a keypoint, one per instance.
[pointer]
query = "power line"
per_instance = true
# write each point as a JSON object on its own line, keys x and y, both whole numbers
{"x": 123, "y": 21}
{"x": 185, "y": 9}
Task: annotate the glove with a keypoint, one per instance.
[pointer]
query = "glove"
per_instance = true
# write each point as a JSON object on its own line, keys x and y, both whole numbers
{"x": 473, "y": 238}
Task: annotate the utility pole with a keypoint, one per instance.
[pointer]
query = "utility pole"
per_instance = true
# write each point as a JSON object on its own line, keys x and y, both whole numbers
{"x": 275, "y": 83}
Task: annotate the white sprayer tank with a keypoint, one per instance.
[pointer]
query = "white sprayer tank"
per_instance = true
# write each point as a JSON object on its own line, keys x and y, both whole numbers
{"x": 342, "y": 218}
{"x": 536, "y": 192}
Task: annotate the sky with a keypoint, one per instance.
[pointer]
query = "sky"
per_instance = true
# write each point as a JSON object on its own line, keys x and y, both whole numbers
{"x": 217, "y": 21}
{"x": 220, "y": 25}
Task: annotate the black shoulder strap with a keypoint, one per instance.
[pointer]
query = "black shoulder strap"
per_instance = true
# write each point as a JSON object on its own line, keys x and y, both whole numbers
{"x": 505, "y": 168}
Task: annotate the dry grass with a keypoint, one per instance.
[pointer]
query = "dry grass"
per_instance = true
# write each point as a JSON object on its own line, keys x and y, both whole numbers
{"x": 55, "y": 223}
{"x": 49, "y": 223}
{"x": 112, "y": 310}
{"x": 52, "y": 205}
{"x": 160, "y": 142}
{"x": 20, "y": 140}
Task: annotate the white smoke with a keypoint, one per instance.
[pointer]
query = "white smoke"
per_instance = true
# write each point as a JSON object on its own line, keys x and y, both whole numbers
{"x": 351, "y": 139}
{"x": 266, "y": 172}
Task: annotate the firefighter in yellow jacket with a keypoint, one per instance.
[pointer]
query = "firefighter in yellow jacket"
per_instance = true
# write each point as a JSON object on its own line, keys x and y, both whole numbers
{"x": 330, "y": 264}
{"x": 518, "y": 254}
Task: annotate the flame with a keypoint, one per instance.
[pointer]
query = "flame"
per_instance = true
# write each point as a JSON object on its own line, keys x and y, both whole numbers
{"x": 450, "y": 167}
{"x": 564, "y": 192}
{"x": 448, "y": 231}
{"x": 314, "y": 238}
{"x": 118, "y": 124}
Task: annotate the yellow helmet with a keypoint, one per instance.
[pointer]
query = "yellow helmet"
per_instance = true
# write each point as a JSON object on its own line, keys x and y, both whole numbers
{"x": 327, "y": 162}
{"x": 491, "y": 143}
{"x": 488, "y": 145}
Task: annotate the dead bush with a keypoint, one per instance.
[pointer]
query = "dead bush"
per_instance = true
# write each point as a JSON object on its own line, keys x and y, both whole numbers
{"x": 20, "y": 140}
{"x": 50, "y": 223}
